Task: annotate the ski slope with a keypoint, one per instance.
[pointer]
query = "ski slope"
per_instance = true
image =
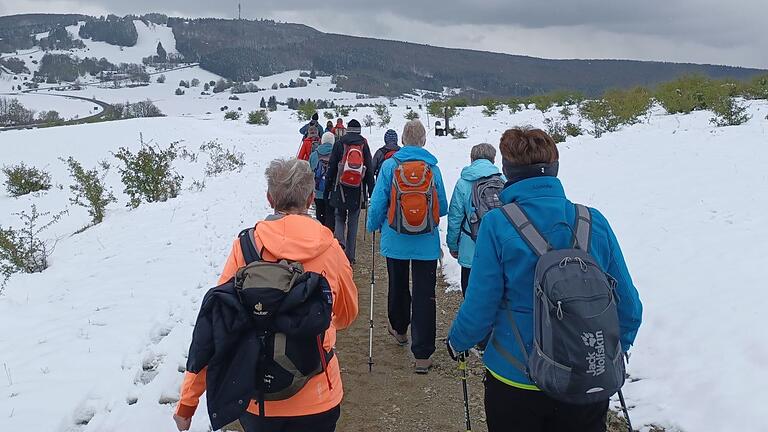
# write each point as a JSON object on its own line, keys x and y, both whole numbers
{"x": 97, "y": 341}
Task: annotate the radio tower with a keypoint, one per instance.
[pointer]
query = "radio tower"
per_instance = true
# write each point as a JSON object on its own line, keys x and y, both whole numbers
{"x": 239, "y": 11}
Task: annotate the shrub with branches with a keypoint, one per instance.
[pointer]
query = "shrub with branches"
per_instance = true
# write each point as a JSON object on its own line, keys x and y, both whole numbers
{"x": 148, "y": 174}
{"x": 691, "y": 93}
{"x": 259, "y": 117}
{"x": 342, "y": 111}
{"x": 89, "y": 189}
{"x": 491, "y": 107}
{"x": 22, "y": 250}
{"x": 728, "y": 112}
{"x": 411, "y": 115}
{"x": 306, "y": 110}
{"x": 22, "y": 179}
{"x": 599, "y": 113}
{"x": 560, "y": 131}
{"x": 231, "y": 115}
{"x": 460, "y": 134}
{"x": 382, "y": 112}
{"x": 368, "y": 122}
{"x": 221, "y": 159}
{"x": 629, "y": 105}
{"x": 328, "y": 115}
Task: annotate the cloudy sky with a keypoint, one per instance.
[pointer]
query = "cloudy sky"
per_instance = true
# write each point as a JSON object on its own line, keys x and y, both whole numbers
{"x": 703, "y": 31}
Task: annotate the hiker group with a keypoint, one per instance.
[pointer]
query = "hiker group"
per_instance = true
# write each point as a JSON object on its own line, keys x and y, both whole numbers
{"x": 548, "y": 303}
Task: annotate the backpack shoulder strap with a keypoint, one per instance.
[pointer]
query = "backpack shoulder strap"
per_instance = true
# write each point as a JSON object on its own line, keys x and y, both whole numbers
{"x": 248, "y": 245}
{"x": 526, "y": 229}
{"x": 583, "y": 228}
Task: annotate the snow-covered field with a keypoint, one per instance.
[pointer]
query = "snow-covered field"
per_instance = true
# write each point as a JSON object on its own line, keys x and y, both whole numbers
{"x": 96, "y": 342}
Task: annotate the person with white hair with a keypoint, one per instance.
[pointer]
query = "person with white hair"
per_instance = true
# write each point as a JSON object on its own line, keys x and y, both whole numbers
{"x": 407, "y": 203}
{"x": 289, "y": 234}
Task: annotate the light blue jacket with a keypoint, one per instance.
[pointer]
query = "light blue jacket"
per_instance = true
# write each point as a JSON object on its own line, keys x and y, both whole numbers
{"x": 425, "y": 247}
{"x": 504, "y": 268}
{"x": 314, "y": 158}
{"x": 461, "y": 208}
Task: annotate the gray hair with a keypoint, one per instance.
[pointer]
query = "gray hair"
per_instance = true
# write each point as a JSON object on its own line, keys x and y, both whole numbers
{"x": 414, "y": 134}
{"x": 290, "y": 182}
{"x": 483, "y": 151}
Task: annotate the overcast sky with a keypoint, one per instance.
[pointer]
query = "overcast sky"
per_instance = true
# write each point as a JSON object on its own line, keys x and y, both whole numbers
{"x": 702, "y": 31}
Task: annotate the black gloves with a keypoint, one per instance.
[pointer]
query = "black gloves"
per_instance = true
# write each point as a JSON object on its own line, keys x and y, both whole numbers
{"x": 455, "y": 356}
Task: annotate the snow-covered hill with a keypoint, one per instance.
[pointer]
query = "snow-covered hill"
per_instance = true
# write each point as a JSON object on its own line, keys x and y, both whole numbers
{"x": 96, "y": 342}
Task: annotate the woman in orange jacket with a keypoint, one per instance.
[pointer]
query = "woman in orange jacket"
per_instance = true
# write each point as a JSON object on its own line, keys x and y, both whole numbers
{"x": 293, "y": 235}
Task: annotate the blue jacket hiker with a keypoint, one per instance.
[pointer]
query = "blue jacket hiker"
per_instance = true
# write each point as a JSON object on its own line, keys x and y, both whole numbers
{"x": 458, "y": 213}
{"x": 319, "y": 162}
{"x": 411, "y": 253}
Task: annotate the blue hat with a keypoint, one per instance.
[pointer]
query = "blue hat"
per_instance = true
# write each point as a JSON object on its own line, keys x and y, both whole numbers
{"x": 390, "y": 137}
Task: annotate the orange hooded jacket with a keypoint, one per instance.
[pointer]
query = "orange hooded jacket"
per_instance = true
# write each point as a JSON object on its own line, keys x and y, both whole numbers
{"x": 303, "y": 239}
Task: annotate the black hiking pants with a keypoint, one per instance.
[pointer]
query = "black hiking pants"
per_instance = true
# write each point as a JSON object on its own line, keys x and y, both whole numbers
{"x": 325, "y": 213}
{"x": 323, "y": 422}
{"x": 415, "y": 307}
{"x": 509, "y": 408}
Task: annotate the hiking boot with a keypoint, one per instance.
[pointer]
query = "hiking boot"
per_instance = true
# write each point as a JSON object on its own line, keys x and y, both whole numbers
{"x": 401, "y": 339}
{"x": 422, "y": 366}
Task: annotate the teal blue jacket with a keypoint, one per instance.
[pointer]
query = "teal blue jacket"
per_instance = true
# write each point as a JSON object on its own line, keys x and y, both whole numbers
{"x": 425, "y": 247}
{"x": 461, "y": 208}
{"x": 314, "y": 157}
{"x": 504, "y": 269}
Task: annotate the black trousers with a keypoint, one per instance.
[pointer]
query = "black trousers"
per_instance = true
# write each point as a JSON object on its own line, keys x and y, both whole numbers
{"x": 324, "y": 213}
{"x": 464, "y": 280}
{"x": 509, "y": 408}
{"x": 323, "y": 422}
{"x": 415, "y": 306}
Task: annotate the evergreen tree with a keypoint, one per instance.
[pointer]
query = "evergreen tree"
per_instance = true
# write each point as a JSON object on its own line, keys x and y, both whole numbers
{"x": 262, "y": 104}
{"x": 161, "y": 54}
{"x": 272, "y": 104}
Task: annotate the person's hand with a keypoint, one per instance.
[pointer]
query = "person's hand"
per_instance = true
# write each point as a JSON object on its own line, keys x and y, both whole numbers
{"x": 451, "y": 352}
{"x": 182, "y": 423}
{"x": 455, "y": 254}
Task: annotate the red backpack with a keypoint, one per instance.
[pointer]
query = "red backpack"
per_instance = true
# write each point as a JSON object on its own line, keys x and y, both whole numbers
{"x": 352, "y": 166}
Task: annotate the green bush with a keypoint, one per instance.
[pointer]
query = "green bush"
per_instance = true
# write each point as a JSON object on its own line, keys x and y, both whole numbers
{"x": 179, "y": 92}
{"x": 459, "y": 134}
{"x": 411, "y": 115}
{"x": 560, "y": 131}
{"x": 259, "y": 117}
{"x": 221, "y": 159}
{"x": 728, "y": 112}
{"x": 443, "y": 109}
{"x": 306, "y": 110}
{"x": 629, "y": 105}
{"x": 342, "y": 111}
{"x": 757, "y": 88}
{"x": 691, "y": 93}
{"x": 514, "y": 105}
{"x": 148, "y": 175}
{"x": 382, "y": 112}
{"x": 22, "y": 250}
{"x": 232, "y": 115}
{"x": 491, "y": 107}
{"x": 22, "y": 180}
{"x": 599, "y": 113}
{"x": 89, "y": 189}
{"x": 328, "y": 115}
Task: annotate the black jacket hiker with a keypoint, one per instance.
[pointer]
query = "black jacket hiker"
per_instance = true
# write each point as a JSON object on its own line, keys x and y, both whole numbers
{"x": 379, "y": 156}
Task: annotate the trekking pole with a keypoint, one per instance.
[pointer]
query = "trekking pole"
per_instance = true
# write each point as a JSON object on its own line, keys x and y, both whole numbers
{"x": 373, "y": 282}
{"x": 626, "y": 411}
{"x": 463, "y": 369}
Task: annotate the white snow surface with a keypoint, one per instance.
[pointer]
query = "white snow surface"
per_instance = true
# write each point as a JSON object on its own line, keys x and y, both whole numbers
{"x": 96, "y": 342}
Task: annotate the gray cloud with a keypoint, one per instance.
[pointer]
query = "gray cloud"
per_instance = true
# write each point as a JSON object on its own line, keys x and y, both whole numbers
{"x": 706, "y": 31}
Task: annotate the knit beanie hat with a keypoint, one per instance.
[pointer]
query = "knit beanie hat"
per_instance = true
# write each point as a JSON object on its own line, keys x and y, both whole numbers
{"x": 353, "y": 126}
{"x": 328, "y": 138}
{"x": 315, "y": 117}
{"x": 390, "y": 137}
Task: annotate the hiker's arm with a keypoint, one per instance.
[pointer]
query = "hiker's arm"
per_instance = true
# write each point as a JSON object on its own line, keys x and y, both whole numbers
{"x": 234, "y": 261}
{"x": 476, "y": 315}
{"x": 441, "y": 192}
{"x": 367, "y": 160}
{"x": 629, "y": 305}
{"x": 303, "y": 130}
{"x": 345, "y": 307}
{"x": 192, "y": 388}
{"x": 455, "y": 218}
{"x": 377, "y": 210}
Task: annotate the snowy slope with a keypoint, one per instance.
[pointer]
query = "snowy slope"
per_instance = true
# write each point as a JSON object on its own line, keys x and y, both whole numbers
{"x": 95, "y": 343}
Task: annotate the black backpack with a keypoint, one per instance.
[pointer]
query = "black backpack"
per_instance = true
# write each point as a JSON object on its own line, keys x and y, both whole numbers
{"x": 484, "y": 198}
{"x": 291, "y": 310}
{"x": 577, "y": 356}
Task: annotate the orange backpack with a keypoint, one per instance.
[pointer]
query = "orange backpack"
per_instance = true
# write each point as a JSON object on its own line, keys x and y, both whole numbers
{"x": 413, "y": 205}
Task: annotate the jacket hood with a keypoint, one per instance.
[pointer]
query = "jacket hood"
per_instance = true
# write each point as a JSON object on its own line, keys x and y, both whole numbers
{"x": 324, "y": 148}
{"x": 410, "y": 153}
{"x": 479, "y": 169}
{"x": 390, "y": 146}
{"x": 294, "y": 237}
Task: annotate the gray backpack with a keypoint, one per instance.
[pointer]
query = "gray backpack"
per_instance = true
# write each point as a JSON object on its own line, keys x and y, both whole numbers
{"x": 485, "y": 197}
{"x": 576, "y": 356}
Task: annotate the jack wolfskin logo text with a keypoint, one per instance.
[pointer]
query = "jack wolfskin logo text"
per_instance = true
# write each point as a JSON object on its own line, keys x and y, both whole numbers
{"x": 596, "y": 356}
